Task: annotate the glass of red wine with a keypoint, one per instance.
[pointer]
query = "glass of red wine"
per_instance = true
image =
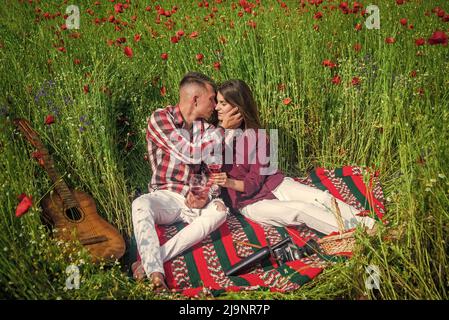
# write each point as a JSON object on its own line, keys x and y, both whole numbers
{"x": 214, "y": 188}
{"x": 198, "y": 184}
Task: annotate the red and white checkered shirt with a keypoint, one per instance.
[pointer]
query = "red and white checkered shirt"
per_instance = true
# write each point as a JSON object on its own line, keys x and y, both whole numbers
{"x": 175, "y": 151}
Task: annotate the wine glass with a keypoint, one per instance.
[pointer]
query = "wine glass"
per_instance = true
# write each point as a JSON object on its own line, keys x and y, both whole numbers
{"x": 198, "y": 184}
{"x": 214, "y": 167}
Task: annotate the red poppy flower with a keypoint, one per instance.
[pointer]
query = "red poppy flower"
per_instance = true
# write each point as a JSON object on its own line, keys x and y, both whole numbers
{"x": 118, "y": 8}
{"x": 357, "y": 47}
{"x": 413, "y": 73}
{"x": 336, "y": 79}
{"x": 399, "y": 2}
{"x": 217, "y": 65}
{"x": 148, "y": 8}
{"x": 193, "y": 35}
{"x": 179, "y": 33}
{"x": 137, "y": 37}
{"x": 287, "y": 101}
{"x": 86, "y": 89}
{"x": 403, "y": 21}
{"x": 128, "y": 51}
{"x": 252, "y": 24}
{"x": 76, "y": 61}
{"x": 420, "y": 41}
{"x": 199, "y": 57}
{"x": 164, "y": 56}
{"x": 24, "y": 205}
{"x": 390, "y": 40}
{"x": 62, "y": 49}
{"x": 174, "y": 39}
{"x": 49, "y": 119}
{"x": 358, "y": 26}
{"x": 64, "y": 27}
{"x": 355, "y": 81}
{"x": 438, "y": 37}
{"x": 328, "y": 63}
{"x": 163, "y": 91}
{"x": 318, "y": 15}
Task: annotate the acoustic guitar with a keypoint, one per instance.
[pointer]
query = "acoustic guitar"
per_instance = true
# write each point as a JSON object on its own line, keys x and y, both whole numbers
{"x": 73, "y": 212}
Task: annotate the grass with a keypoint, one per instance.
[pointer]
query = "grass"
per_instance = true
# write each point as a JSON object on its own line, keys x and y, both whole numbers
{"x": 391, "y": 121}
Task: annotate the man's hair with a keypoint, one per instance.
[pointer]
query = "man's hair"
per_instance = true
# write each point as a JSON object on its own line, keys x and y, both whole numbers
{"x": 197, "y": 78}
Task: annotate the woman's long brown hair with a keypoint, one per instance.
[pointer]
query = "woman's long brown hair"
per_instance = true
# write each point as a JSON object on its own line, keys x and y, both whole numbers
{"x": 238, "y": 94}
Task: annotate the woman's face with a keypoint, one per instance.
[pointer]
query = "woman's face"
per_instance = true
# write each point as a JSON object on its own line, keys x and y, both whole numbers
{"x": 222, "y": 107}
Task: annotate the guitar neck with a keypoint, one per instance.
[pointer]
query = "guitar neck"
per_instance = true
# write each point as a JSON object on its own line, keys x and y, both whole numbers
{"x": 61, "y": 187}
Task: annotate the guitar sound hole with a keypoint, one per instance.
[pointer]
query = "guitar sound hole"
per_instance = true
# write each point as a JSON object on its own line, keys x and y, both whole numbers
{"x": 74, "y": 214}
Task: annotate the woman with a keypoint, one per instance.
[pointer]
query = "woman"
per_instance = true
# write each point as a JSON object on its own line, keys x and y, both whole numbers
{"x": 271, "y": 199}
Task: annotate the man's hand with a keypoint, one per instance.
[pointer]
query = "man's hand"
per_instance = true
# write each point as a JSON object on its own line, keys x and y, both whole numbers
{"x": 232, "y": 120}
{"x": 220, "y": 178}
{"x": 196, "y": 202}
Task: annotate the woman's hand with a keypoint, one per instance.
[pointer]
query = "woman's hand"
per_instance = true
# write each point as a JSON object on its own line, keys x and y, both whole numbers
{"x": 220, "y": 178}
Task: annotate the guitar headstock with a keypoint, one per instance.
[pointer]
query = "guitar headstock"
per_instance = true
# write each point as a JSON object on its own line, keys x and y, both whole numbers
{"x": 28, "y": 132}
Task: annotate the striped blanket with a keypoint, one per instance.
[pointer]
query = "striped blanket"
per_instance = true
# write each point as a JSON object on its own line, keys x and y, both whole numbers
{"x": 200, "y": 270}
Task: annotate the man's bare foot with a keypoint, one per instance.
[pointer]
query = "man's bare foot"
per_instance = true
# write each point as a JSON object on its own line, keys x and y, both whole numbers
{"x": 138, "y": 271}
{"x": 158, "y": 281}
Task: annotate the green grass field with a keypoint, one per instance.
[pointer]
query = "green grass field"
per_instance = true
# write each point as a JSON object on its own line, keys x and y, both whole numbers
{"x": 377, "y": 102}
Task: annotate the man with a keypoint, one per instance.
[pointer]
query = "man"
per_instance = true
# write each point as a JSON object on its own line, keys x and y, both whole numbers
{"x": 169, "y": 199}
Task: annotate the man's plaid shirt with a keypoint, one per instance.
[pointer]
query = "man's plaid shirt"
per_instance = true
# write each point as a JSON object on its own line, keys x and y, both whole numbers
{"x": 175, "y": 151}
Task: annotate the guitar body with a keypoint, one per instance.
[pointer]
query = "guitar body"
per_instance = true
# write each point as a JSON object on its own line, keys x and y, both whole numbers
{"x": 83, "y": 223}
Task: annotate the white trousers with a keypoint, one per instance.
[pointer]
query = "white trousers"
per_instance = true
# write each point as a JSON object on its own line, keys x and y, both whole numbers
{"x": 297, "y": 203}
{"x": 165, "y": 207}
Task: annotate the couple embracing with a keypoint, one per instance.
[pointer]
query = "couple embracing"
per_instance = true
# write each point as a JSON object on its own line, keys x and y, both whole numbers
{"x": 250, "y": 185}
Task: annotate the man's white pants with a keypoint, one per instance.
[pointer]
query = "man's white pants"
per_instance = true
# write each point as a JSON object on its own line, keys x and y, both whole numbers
{"x": 297, "y": 203}
{"x": 164, "y": 207}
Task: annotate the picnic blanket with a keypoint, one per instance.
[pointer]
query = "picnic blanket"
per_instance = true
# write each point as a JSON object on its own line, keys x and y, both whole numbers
{"x": 201, "y": 270}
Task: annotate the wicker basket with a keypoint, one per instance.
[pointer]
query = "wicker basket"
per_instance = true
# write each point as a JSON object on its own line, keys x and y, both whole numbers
{"x": 342, "y": 242}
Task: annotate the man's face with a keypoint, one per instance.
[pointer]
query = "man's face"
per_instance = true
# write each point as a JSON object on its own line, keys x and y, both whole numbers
{"x": 205, "y": 103}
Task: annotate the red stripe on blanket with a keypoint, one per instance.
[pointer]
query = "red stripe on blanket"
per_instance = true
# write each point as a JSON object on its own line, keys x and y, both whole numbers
{"x": 260, "y": 234}
{"x": 169, "y": 277}
{"x": 201, "y": 265}
{"x": 358, "y": 181}
{"x": 297, "y": 239}
{"x": 226, "y": 237}
{"x": 304, "y": 269}
{"x": 328, "y": 184}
